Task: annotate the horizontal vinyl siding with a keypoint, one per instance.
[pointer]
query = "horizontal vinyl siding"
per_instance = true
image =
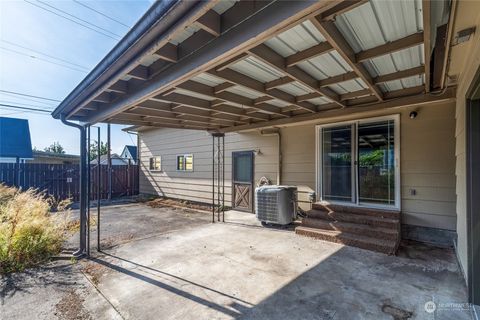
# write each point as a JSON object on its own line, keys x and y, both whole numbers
{"x": 427, "y": 163}
{"x": 196, "y": 185}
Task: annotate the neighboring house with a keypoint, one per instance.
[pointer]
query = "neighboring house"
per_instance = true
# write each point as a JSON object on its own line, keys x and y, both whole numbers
{"x": 377, "y": 115}
{"x": 15, "y": 143}
{"x": 115, "y": 158}
{"x": 54, "y": 158}
{"x": 130, "y": 154}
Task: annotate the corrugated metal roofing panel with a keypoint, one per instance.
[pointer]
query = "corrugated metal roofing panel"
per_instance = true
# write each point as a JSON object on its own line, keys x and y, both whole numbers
{"x": 348, "y": 86}
{"x": 244, "y": 92}
{"x": 256, "y": 69}
{"x": 409, "y": 82}
{"x": 325, "y": 66}
{"x": 378, "y": 22}
{"x": 319, "y": 101}
{"x": 194, "y": 94}
{"x": 208, "y": 80}
{"x": 224, "y": 5}
{"x": 298, "y": 38}
{"x": 185, "y": 34}
{"x": 278, "y": 103}
{"x": 295, "y": 89}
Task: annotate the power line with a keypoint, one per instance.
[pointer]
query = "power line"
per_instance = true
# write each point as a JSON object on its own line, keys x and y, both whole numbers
{"x": 29, "y": 95}
{"x": 45, "y": 54}
{"x": 23, "y": 108}
{"x": 39, "y": 58}
{"x": 79, "y": 23}
{"x": 28, "y": 105}
{"x": 101, "y": 13}
{"x": 75, "y": 17}
{"x": 10, "y": 95}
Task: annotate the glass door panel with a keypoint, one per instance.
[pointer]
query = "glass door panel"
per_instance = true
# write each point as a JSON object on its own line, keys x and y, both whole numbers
{"x": 337, "y": 165}
{"x": 376, "y": 162}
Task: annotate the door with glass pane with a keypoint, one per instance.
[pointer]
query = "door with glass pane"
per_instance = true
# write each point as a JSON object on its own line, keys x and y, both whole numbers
{"x": 242, "y": 195}
{"x": 358, "y": 163}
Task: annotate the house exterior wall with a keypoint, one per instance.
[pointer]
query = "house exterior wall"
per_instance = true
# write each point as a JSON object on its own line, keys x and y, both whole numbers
{"x": 465, "y": 65}
{"x": 196, "y": 185}
{"x": 427, "y": 162}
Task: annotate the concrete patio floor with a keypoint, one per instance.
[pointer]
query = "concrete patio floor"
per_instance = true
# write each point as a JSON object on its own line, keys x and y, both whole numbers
{"x": 183, "y": 267}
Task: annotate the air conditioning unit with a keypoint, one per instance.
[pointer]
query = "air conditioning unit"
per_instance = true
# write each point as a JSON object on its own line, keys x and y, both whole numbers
{"x": 276, "y": 204}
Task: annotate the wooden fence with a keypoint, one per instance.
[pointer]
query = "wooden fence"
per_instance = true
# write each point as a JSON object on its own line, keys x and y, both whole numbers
{"x": 62, "y": 180}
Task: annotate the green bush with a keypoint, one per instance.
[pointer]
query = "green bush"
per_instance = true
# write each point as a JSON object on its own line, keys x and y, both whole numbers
{"x": 29, "y": 232}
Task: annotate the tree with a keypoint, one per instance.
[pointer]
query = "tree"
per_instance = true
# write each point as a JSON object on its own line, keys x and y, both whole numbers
{"x": 56, "y": 147}
{"x": 93, "y": 149}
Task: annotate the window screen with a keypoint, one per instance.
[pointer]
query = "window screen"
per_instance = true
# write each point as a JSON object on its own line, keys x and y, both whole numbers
{"x": 185, "y": 162}
{"x": 155, "y": 163}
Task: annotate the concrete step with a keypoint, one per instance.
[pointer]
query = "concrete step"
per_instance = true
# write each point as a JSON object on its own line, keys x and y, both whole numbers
{"x": 391, "y": 223}
{"x": 354, "y": 228}
{"x": 368, "y": 243}
{"x": 393, "y": 214}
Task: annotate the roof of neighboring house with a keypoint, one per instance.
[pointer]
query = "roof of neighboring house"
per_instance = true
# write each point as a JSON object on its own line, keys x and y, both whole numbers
{"x": 15, "y": 138}
{"x": 132, "y": 150}
{"x": 46, "y": 154}
{"x": 114, "y": 156}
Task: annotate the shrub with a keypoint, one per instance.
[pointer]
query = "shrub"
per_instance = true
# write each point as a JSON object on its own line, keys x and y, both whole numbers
{"x": 29, "y": 232}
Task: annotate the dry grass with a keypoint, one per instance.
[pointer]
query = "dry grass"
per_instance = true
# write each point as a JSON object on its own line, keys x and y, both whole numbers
{"x": 29, "y": 232}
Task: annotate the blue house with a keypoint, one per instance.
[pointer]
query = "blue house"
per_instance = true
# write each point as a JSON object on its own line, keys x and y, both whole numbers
{"x": 15, "y": 142}
{"x": 130, "y": 154}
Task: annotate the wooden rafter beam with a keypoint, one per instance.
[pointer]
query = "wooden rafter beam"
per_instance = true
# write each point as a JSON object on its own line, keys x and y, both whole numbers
{"x": 278, "y": 83}
{"x": 209, "y": 114}
{"x": 169, "y": 52}
{"x": 427, "y": 34}
{"x": 222, "y": 87}
{"x": 309, "y": 53}
{"x": 162, "y": 124}
{"x": 399, "y": 75}
{"x": 391, "y": 47}
{"x": 104, "y": 97}
{"x": 232, "y": 61}
{"x": 228, "y": 97}
{"x": 341, "y": 8}
{"x": 273, "y": 59}
{"x": 355, "y": 94}
{"x": 210, "y": 22}
{"x": 140, "y": 73}
{"x": 404, "y": 92}
{"x": 119, "y": 87}
{"x": 255, "y": 85}
{"x": 336, "y": 39}
{"x": 337, "y": 79}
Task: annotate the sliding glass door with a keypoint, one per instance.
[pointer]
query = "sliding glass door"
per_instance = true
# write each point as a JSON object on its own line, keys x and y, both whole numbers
{"x": 358, "y": 162}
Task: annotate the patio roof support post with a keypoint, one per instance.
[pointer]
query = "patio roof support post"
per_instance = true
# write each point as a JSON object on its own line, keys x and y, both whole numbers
{"x": 109, "y": 163}
{"x": 223, "y": 178}
{"x": 213, "y": 178}
{"x": 83, "y": 186}
{"x": 98, "y": 188}
{"x": 88, "y": 190}
{"x": 218, "y": 176}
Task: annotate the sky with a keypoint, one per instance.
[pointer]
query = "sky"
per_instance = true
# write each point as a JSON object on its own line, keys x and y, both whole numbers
{"x": 45, "y": 55}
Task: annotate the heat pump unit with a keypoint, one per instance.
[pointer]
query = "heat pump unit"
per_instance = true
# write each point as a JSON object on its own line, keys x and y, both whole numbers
{"x": 276, "y": 204}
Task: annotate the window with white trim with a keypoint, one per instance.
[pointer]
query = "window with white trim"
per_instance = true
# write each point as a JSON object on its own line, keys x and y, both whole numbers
{"x": 185, "y": 162}
{"x": 156, "y": 163}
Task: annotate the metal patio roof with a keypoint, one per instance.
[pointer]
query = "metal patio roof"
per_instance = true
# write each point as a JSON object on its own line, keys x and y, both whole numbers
{"x": 297, "y": 59}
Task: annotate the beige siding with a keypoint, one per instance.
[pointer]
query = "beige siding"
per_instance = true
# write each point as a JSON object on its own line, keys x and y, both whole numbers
{"x": 465, "y": 63}
{"x": 197, "y": 185}
{"x": 427, "y": 164}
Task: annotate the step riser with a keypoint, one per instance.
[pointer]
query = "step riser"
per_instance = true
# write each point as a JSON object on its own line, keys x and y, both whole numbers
{"x": 357, "y": 210}
{"x": 352, "y": 218}
{"x": 349, "y": 242}
{"x": 328, "y": 225}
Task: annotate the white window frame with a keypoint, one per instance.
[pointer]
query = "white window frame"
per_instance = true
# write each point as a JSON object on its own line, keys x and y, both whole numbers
{"x": 150, "y": 162}
{"x": 184, "y": 155}
{"x": 318, "y": 162}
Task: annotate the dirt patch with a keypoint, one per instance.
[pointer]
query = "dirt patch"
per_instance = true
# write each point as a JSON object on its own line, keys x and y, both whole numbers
{"x": 94, "y": 271}
{"x": 165, "y": 202}
{"x": 113, "y": 241}
{"x": 395, "y": 312}
{"x": 70, "y": 307}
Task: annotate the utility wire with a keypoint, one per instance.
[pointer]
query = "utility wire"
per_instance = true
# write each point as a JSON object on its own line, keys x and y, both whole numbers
{"x": 45, "y": 54}
{"x": 101, "y": 13}
{"x": 74, "y": 21}
{"x": 42, "y": 59}
{"x": 10, "y": 95}
{"x": 51, "y": 108}
{"x": 23, "y": 108}
{"x": 29, "y": 95}
{"x": 75, "y": 17}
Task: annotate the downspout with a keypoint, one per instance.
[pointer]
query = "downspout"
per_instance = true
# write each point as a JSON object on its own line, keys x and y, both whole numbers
{"x": 276, "y": 132}
{"x": 83, "y": 187}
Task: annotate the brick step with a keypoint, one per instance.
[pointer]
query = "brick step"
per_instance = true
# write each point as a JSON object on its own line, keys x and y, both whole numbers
{"x": 393, "y": 214}
{"x": 355, "y": 240}
{"x": 354, "y": 228}
{"x": 355, "y": 218}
